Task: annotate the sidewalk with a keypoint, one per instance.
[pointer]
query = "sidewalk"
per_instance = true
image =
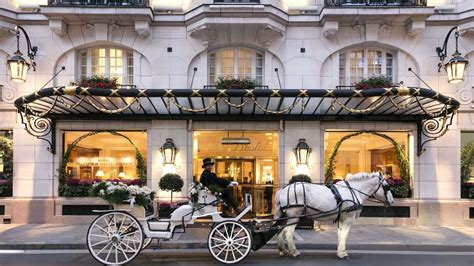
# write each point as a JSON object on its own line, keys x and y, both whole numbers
{"x": 361, "y": 237}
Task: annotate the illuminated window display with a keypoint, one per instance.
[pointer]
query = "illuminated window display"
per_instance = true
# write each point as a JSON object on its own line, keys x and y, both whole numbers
{"x": 105, "y": 155}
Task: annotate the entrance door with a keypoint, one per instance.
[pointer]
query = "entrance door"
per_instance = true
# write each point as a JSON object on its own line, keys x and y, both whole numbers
{"x": 252, "y": 164}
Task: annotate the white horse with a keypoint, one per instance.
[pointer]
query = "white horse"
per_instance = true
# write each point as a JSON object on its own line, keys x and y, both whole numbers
{"x": 298, "y": 199}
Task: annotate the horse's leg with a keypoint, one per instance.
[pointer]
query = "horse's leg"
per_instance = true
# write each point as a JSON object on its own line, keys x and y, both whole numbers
{"x": 342, "y": 233}
{"x": 282, "y": 251}
{"x": 290, "y": 238}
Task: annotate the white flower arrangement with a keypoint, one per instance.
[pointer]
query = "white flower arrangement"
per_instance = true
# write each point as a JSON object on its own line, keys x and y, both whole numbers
{"x": 118, "y": 193}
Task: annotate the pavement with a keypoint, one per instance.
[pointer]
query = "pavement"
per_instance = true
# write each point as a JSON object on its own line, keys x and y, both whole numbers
{"x": 361, "y": 237}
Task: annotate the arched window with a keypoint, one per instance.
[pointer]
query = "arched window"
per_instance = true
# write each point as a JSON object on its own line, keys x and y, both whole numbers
{"x": 358, "y": 64}
{"x": 236, "y": 62}
{"x": 108, "y": 62}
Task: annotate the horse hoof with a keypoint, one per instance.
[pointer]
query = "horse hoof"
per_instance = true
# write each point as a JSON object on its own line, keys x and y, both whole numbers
{"x": 296, "y": 256}
{"x": 282, "y": 253}
{"x": 346, "y": 257}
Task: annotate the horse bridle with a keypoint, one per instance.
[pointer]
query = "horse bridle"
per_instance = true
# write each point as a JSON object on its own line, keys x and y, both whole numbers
{"x": 385, "y": 187}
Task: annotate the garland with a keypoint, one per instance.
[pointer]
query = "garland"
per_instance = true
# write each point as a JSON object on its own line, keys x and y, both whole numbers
{"x": 467, "y": 155}
{"x": 402, "y": 161}
{"x": 141, "y": 164}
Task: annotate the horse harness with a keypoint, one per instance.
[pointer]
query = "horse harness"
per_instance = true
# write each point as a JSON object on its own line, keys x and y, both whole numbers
{"x": 356, "y": 205}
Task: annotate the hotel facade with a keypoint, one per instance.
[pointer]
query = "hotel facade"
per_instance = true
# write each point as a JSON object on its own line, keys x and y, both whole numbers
{"x": 171, "y": 60}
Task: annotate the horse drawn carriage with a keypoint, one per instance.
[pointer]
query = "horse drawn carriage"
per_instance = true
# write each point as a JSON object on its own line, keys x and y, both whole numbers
{"x": 117, "y": 236}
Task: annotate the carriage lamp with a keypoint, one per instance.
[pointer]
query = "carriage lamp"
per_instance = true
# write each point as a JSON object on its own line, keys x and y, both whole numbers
{"x": 169, "y": 151}
{"x": 457, "y": 65}
{"x": 18, "y": 65}
{"x": 302, "y": 152}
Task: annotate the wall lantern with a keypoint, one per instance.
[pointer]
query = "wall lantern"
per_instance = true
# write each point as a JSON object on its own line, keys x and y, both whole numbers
{"x": 169, "y": 151}
{"x": 17, "y": 64}
{"x": 302, "y": 152}
{"x": 457, "y": 65}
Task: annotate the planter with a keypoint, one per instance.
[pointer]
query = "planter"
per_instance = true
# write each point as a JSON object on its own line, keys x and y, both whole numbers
{"x": 137, "y": 211}
{"x": 464, "y": 192}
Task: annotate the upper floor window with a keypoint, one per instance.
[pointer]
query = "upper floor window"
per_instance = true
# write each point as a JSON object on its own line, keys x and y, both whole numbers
{"x": 239, "y": 63}
{"x": 107, "y": 62}
{"x": 358, "y": 64}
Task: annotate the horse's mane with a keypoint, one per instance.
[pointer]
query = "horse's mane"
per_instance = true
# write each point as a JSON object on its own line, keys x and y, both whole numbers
{"x": 360, "y": 176}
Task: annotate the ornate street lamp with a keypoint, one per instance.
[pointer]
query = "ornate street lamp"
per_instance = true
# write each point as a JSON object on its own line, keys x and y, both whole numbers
{"x": 17, "y": 65}
{"x": 457, "y": 65}
{"x": 302, "y": 152}
{"x": 169, "y": 151}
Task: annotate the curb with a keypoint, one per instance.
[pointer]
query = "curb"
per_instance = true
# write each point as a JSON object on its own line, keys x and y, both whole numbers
{"x": 271, "y": 245}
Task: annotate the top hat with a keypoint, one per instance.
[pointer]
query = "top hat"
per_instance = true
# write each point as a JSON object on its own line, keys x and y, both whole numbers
{"x": 207, "y": 161}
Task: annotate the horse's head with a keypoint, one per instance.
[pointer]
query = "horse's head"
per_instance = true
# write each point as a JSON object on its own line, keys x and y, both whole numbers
{"x": 382, "y": 191}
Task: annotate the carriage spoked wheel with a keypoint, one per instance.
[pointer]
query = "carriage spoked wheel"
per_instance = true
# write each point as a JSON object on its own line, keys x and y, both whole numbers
{"x": 229, "y": 242}
{"x": 115, "y": 238}
{"x": 146, "y": 242}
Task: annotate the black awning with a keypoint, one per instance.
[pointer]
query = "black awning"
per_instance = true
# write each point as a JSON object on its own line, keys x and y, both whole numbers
{"x": 382, "y": 104}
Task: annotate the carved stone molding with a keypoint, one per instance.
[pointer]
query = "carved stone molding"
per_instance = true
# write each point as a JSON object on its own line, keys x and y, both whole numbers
{"x": 266, "y": 34}
{"x": 415, "y": 27}
{"x": 142, "y": 28}
{"x": 6, "y": 29}
{"x": 58, "y": 27}
{"x": 204, "y": 33}
{"x": 330, "y": 29}
{"x": 8, "y": 94}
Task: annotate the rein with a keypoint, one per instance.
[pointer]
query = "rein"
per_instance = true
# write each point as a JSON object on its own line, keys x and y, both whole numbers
{"x": 371, "y": 198}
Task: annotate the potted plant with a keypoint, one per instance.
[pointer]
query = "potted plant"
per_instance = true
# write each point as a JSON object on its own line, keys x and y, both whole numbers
{"x": 399, "y": 188}
{"x": 304, "y": 222}
{"x": 171, "y": 182}
{"x": 233, "y": 83}
{"x": 374, "y": 82}
{"x": 135, "y": 198}
{"x": 6, "y": 154}
{"x": 97, "y": 81}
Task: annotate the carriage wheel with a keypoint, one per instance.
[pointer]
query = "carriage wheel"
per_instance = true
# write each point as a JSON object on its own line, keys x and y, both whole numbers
{"x": 146, "y": 242}
{"x": 229, "y": 242}
{"x": 115, "y": 238}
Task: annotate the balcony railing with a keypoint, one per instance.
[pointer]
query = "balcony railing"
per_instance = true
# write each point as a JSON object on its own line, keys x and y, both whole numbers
{"x": 115, "y": 3}
{"x": 378, "y": 3}
{"x": 236, "y": 1}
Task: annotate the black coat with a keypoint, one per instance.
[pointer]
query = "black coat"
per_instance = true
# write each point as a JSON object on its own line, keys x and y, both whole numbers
{"x": 208, "y": 178}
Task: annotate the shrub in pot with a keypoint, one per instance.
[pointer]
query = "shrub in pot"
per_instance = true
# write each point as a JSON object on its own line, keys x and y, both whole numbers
{"x": 172, "y": 183}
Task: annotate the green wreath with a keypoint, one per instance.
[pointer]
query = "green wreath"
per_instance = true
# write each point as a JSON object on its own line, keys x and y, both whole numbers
{"x": 467, "y": 155}
{"x": 6, "y": 148}
{"x": 402, "y": 161}
{"x": 141, "y": 164}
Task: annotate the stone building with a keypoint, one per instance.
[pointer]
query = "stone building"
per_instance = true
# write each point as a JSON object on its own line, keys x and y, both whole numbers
{"x": 183, "y": 45}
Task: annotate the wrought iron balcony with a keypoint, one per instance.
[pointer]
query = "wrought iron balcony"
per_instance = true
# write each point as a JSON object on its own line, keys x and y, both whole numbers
{"x": 114, "y": 3}
{"x": 378, "y": 3}
{"x": 236, "y": 1}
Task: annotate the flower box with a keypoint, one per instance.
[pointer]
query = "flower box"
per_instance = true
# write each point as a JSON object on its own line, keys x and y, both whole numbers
{"x": 137, "y": 211}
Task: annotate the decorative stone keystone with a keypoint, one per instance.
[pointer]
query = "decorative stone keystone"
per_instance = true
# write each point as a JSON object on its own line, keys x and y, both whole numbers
{"x": 415, "y": 27}
{"x": 142, "y": 28}
{"x": 58, "y": 26}
{"x": 266, "y": 34}
{"x": 330, "y": 29}
{"x": 6, "y": 29}
{"x": 205, "y": 33}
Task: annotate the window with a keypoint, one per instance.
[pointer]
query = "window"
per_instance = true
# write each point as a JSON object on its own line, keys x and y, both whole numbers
{"x": 365, "y": 152}
{"x": 108, "y": 62}
{"x": 467, "y": 165}
{"x": 105, "y": 155}
{"x": 6, "y": 163}
{"x": 239, "y": 63}
{"x": 355, "y": 65}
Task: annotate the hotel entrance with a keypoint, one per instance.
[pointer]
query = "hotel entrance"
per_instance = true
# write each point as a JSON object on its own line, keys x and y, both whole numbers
{"x": 247, "y": 157}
